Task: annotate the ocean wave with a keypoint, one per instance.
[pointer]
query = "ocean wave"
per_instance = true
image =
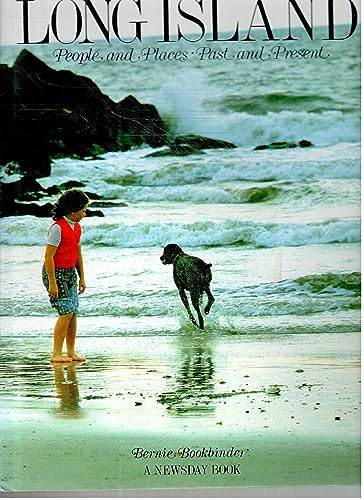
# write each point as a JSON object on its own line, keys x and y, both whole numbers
{"x": 193, "y": 193}
{"x": 209, "y": 233}
{"x": 276, "y": 102}
{"x": 326, "y": 284}
{"x": 303, "y": 296}
{"x": 222, "y": 112}
{"x": 332, "y": 283}
{"x": 132, "y": 175}
{"x": 248, "y": 122}
{"x": 284, "y": 306}
{"x": 209, "y": 180}
{"x": 15, "y": 231}
{"x": 244, "y": 129}
{"x": 251, "y": 307}
{"x": 308, "y": 193}
{"x": 123, "y": 326}
{"x": 306, "y": 295}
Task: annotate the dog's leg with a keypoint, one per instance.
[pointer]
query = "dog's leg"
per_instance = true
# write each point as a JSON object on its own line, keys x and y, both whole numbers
{"x": 211, "y": 300}
{"x": 184, "y": 299}
{"x": 195, "y": 299}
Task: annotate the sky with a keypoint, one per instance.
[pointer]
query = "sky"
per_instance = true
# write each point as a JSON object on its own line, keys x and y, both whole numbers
{"x": 230, "y": 12}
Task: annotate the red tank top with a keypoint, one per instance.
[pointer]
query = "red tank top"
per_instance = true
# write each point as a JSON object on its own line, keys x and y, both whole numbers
{"x": 67, "y": 251}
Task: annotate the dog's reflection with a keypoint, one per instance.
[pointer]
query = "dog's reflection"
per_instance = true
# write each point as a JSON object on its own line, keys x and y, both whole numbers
{"x": 192, "y": 390}
{"x": 67, "y": 391}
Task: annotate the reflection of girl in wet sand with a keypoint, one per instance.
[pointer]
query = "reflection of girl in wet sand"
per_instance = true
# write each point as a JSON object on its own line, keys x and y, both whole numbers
{"x": 63, "y": 260}
{"x": 67, "y": 390}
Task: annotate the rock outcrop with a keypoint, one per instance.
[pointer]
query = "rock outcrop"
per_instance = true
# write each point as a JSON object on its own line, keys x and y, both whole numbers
{"x": 45, "y": 114}
{"x": 189, "y": 144}
{"x": 284, "y": 145}
{"x": 23, "y": 197}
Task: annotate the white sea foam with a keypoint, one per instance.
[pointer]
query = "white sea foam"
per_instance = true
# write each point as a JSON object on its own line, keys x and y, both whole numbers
{"x": 243, "y": 129}
{"x": 15, "y": 230}
{"x": 187, "y": 104}
{"x": 135, "y": 177}
{"x": 288, "y": 298}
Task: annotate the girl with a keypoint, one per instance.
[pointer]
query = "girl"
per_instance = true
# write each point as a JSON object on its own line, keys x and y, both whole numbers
{"x": 63, "y": 257}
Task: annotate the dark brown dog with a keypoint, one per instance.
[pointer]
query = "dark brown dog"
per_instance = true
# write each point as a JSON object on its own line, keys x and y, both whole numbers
{"x": 192, "y": 274}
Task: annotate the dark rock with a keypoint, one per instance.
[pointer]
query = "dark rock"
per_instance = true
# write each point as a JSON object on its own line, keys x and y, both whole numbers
{"x": 19, "y": 197}
{"x": 108, "y": 204}
{"x": 46, "y": 114}
{"x": 18, "y": 208}
{"x": 305, "y": 144}
{"x": 92, "y": 196}
{"x": 284, "y": 145}
{"x": 94, "y": 213}
{"x": 29, "y": 209}
{"x": 184, "y": 145}
{"x": 25, "y": 189}
{"x": 141, "y": 123}
{"x": 70, "y": 185}
{"x": 184, "y": 151}
{"x": 13, "y": 193}
{"x": 73, "y": 185}
{"x": 199, "y": 142}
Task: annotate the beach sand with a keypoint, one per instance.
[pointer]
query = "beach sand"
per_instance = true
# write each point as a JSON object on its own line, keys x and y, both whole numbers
{"x": 75, "y": 428}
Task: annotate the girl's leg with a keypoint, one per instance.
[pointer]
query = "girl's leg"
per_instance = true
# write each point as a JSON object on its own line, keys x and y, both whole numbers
{"x": 59, "y": 334}
{"x": 71, "y": 340}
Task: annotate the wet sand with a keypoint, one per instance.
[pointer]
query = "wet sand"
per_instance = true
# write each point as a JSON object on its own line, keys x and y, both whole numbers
{"x": 182, "y": 401}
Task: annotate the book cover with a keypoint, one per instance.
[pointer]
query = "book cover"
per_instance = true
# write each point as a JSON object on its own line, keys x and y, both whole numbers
{"x": 229, "y": 129}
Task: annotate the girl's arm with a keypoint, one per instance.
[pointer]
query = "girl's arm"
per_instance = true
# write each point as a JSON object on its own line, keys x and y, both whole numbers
{"x": 80, "y": 270}
{"x": 49, "y": 265}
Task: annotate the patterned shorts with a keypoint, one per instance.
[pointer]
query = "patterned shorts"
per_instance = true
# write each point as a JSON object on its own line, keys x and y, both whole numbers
{"x": 67, "y": 300}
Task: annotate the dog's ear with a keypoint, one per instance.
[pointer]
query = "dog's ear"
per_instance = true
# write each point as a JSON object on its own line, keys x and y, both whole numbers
{"x": 173, "y": 247}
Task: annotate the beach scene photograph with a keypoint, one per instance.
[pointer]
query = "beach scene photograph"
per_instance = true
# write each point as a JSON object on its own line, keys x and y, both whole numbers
{"x": 245, "y": 154}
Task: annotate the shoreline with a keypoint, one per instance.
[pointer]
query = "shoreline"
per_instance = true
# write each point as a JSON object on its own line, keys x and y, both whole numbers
{"x": 74, "y": 428}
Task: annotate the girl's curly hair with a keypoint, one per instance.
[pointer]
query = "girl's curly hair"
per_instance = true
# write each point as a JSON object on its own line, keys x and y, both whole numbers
{"x": 72, "y": 200}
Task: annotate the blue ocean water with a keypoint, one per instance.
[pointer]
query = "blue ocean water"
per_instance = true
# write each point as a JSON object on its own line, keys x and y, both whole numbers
{"x": 280, "y": 227}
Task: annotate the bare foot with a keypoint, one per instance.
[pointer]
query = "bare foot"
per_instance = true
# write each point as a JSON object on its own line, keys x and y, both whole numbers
{"x": 76, "y": 357}
{"x": 60, "y": 358}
